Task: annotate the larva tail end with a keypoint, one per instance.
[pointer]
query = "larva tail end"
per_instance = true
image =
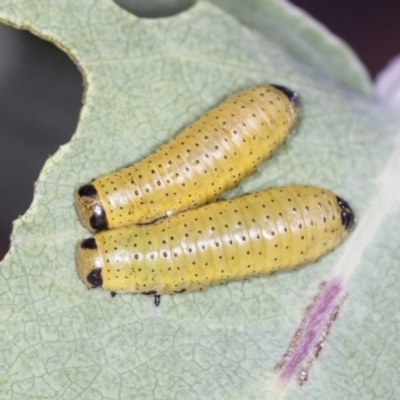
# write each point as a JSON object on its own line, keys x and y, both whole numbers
{"x": 290, "y": 94}
{"x": 89, "y": 264}
{"x": 89, "y": 209}
{"x": 347, "y": 214}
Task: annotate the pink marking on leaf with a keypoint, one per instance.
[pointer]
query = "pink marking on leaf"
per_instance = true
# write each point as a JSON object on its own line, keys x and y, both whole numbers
{"x": 308, "y": 340}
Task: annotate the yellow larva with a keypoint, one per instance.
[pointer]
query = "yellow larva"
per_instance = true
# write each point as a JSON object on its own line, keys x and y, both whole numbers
{"x": 209, "y": 157}
{"x": 256, "y": 234}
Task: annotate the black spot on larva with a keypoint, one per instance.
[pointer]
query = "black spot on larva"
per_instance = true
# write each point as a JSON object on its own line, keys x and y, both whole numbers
{"x": 290, "y": 94}
{"x": 89, "y": 244}
{"x": 87, "y": 190}
{"x": 94, "y": 278}
{"x": 98, "y": 220}
{"x": 347, "y": 214}
{"x": 180, "y": 291}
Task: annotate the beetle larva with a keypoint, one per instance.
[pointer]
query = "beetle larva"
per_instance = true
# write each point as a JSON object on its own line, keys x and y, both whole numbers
{"x": 256, "y": 234}
{"x": 209, "y": 157}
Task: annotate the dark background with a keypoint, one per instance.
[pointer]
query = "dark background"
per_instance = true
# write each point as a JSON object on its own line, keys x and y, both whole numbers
{"x": 41, "y": 89}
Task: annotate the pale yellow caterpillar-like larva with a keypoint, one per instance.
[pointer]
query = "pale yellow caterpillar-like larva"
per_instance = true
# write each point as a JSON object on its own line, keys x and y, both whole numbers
{"x": 209, "y": 157}
{"x": 256, "y": 234}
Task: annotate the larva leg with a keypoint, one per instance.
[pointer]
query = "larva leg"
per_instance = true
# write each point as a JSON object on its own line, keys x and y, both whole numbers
{"x": 157, "y": 298}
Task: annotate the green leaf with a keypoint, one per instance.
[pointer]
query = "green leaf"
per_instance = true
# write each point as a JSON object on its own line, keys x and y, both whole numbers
{"x": 145, "y": 81}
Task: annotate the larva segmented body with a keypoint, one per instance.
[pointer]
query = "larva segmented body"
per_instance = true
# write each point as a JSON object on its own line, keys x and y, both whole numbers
{"x": 209, "y": 157}
{"x": 255, "y": 234}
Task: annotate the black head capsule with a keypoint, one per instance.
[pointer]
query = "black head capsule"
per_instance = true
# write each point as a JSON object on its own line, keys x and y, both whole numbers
{"x": 87, "y": 190}
{"x": 98, "y": 220}
{"x": 89, "y": 244}
{"x": 347, "y": 214}
{"x": 90, "y": 209}
{"x": 290, "y": 94}
{"x": 94, "y": 278}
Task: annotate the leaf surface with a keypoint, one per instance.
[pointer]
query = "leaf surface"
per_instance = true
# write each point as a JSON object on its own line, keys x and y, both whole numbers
{"x": 145, "y": 81}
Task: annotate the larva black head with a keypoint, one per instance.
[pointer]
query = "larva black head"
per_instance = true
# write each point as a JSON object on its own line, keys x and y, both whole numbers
{"x": 89, "y": 263}
{"x": 89, "y": 244}
{"x": 94, "y": 278}
{"x": 290, "y": 94}
{"x": 87, "y": 190}
{"x": 98, "y": 220}
{"x": 347, "y": 214}
{"x": 89, "y": 208}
